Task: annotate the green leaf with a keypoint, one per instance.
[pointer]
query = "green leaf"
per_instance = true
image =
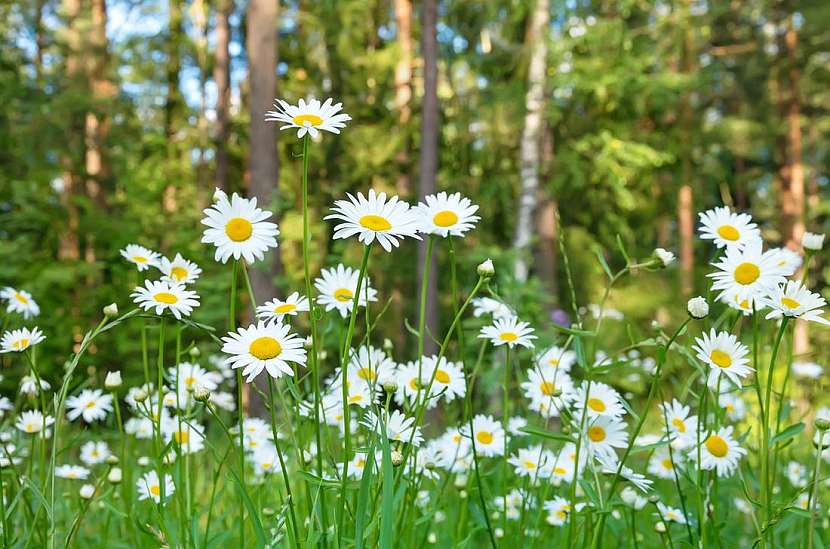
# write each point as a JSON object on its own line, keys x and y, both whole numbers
{"x": 363, "y": 497}
{"x": 787, "y": 433}
{"x": 253, "y": 514}
{"x": 534, "y": 431}
{"x": 387, "y": 503}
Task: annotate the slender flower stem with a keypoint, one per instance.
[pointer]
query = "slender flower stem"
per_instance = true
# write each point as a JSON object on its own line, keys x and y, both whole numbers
{"x": 422, "y": 313}
{"x": 344, "y": 357}
{"x": 240, "y": 416}
{"x": 655, "y": 381}
{"x": 505, "y": 423}
{"x": 812, "y": 503}
{"x": 289, "y": 496}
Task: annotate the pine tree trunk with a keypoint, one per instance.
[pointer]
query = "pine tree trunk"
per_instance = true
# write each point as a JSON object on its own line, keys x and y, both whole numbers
{"x": 685, "y": 194}
{"x": 546, "y": 258}
{"x": 530, "y": 147}
{"x": 221, "y": 75}
{"x": 263, "y": 162}
{"x": 429, "y": 156}
{"x": 403, "y": 90}
{"x": 174, "y": 102}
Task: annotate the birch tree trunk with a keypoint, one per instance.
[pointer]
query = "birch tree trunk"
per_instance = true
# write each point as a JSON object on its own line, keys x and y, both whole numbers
{"x": 685, "y": 193}
{"x": 530, "y": 147}
{"x": 429, "y": 155}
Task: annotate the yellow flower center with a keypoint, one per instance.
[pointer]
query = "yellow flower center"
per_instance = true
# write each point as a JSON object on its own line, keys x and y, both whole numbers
{"x": 189, "y": 380}
{"x": 21, "y": 298}
{"x": 790, "y": 303}
{"x": 721, "y": 359}
{"x": 90, "y": 404}
{"x": 155, "y": 489}
{"x": 730, "y": 408}
{"x": 728, "y": 232}
{"x": 747, "y": 273}
{"x": 139, "y": 259}
{"x": 310, "y": 119}
{"x": 71, "y": 474}
{"x": 667, "y": 464}
{"x": 484, "y": 437}
{"x": 547, "y": 388}
{"x": 355, "y": 399}
{"x": 166, "y": 297}
{"x": 413, "y": 383}
{"x": 596, "y": 433}
{"x": 456, "y": 438}
{"x": 445, "y": 219}
{"x": 596, "y": 405}
{"x": 179, "y": 273}
{"x": 265, "y": 348}
{"x": 442, "y": 376}
{"x": 266, "y": 465}
{"x": 182, "y": 437}
{"x": 554, "y": 362}
{"x": 343, "y": 294}
{"x": 239, "y": 229}
{"x": 367, "y": 374}
{"x": 716, "y": 446}
{"x": 375, "y": 223}
{"x": 678, "y": 423}
{"x": 20, "y": 344}
{"x": 285, "y": 308}
{"x": 508, "y": 336}
{"x": 529, "y": 464}
{"x": 559, "y": 470}
{"x": 30, "y": 427}
{"x": 744, "y": 304}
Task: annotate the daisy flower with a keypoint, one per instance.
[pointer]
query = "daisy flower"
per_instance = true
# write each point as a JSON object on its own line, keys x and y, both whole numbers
{"x": 724, "y": 354}
{"x": 268, "y": 346}
{"x": 188, "y": 437}
{"x": 743, "y": 304}
{"x": 187, "y": 375}
{"x": 543, "y": 382}
{"x": 309, "y": 116}
{"x": 337, "y": 287}
{"x": 602, "y": 400}
{"x": 28, "y": 385}
{"x": 448, "y": 380}
{"x": 164, "y": 296}
{"x": 733, "y": 405}
{"x": 399, "y": 427}
{"x": 149, "y": 486}
{"x": 557, "y": 357}
{"x": 178, "y": 271}
{"x": 632, "y": 498}
{"x": 660, "y": 464}
{"x": 680, "y": 423}
{"x": 727, "y": 229}
{"x": 532, "y": 462}
{"x": 92, "y": 404}
{"x": 32, "y": 421}
{"x": 446, "y": 215}
{"x": 788, "y": 260}
{"x": 603, "y": 434}
{"x": 561, "y": 469}
{"x": 558, "y": 510}
{"x": 670, "y": 514}
{"x": 488, "y": 435}
{"x": 374, "y": 218}
{"x": 455, "y": 450}
{"x": 277, "y": 309}
{"x": 808, "y": 370}
{"x": 15, "y": 341}
{"x": 72, "y": 472}
{"x": 95, "y": 452}
{"x": 609, "y": 465}
{"x": 20, "y": 301}
{"x": 5, "y": 405}
{"x": 238, "y": 228}
{"x": 795, "y": 301}
{"x": 143, "y": 258}
{"x": 510, "y": 331}
{"x": 747, "y": 272}
{"x": 367, "y": 365}
{"x": 266, "y": 460}
{"x": 721, "y": 452}
{"x": 489, "y": 306}
{"x": 797, "y": 474}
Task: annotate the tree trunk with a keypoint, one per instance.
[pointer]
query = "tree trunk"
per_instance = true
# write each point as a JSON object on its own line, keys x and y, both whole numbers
{"x": 792, "y": 171}
{"x": 403, "y": 90}
{"x": 685, "y": 194}
{"x": 174, "y": 102}
{"x": 530, "y": 147}
{"x": 429, "y": 156}
{"x": 546, "y": 228}
{"x": 263, "y": 162}
{"x": 199, "y": 12}
{"x": 221, "y": 75}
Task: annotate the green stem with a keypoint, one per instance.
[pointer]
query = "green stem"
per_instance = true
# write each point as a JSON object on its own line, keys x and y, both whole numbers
{"x": 240, "y": 417}
{"x": 289, "y": 496}
{"x": 505, "y": 423}
{"x": 812, "y": 503}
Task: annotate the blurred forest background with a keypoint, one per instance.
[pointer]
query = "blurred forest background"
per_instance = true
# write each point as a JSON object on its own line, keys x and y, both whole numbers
{"x": 118, "y": 118}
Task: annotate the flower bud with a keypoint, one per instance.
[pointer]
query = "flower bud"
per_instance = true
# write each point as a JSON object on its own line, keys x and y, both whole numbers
{"x": 141, "y": 395}
{"x": 654, "y": 498}
{"x": 200, "y": 393}
{"x": 87, "y": 491}
{"x": 460, "y": 481}
{"x": 111, "y": 310}
{"x": 308, "y": 342}
{"x": 114, "y": 476}
{"x": 486, "y": 269}
{"x": 390, "y": 386}
{"x": 660, "y": 527}
{"x": 195, "y": 352}
{"x": 463, "y": 494}
{"x": 112, "y": 459}
{"x": 113, "y": 380}
{"x": 499, "y": 533}
{"x": 697, "y": 307}
{"x": 812, "y": 241}
{"x": 397, "y": 458}
{"x": 143, "y": 461}
{"x": 665, "y": 257}
{"x": 822, "y": 423}
{"x": 432, "y": 538}
{"x": 388, "y": 345}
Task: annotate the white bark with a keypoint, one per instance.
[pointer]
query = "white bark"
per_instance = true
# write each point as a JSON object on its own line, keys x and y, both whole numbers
{"x": 530, "y": 148}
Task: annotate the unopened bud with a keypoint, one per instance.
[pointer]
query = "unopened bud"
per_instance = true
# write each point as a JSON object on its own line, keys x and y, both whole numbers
{"x": 200, "y": 393}
{"x": 397, "y": 458}
{"x": 141, "y": 395}
{"x": 112, "y": 459}
{"x": 665, "y": 257}
{"x": 111, "y": 310}
{"x": 390, "y": 386}
{"x": 388, "y": 345}
{"x": 821, "y": 423}
{"x": 697, "y": 307}
{"x": 486, "y": 269}
{"x": 87, "y": 491}
{"x": 812, "y": 241}
{"x": 660, "y": 527}
{"x": 113, "y": 380}
{"x": 499, "y": 533}
{"x": 195, "y": 352}
{"x": 114, "y": 476}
